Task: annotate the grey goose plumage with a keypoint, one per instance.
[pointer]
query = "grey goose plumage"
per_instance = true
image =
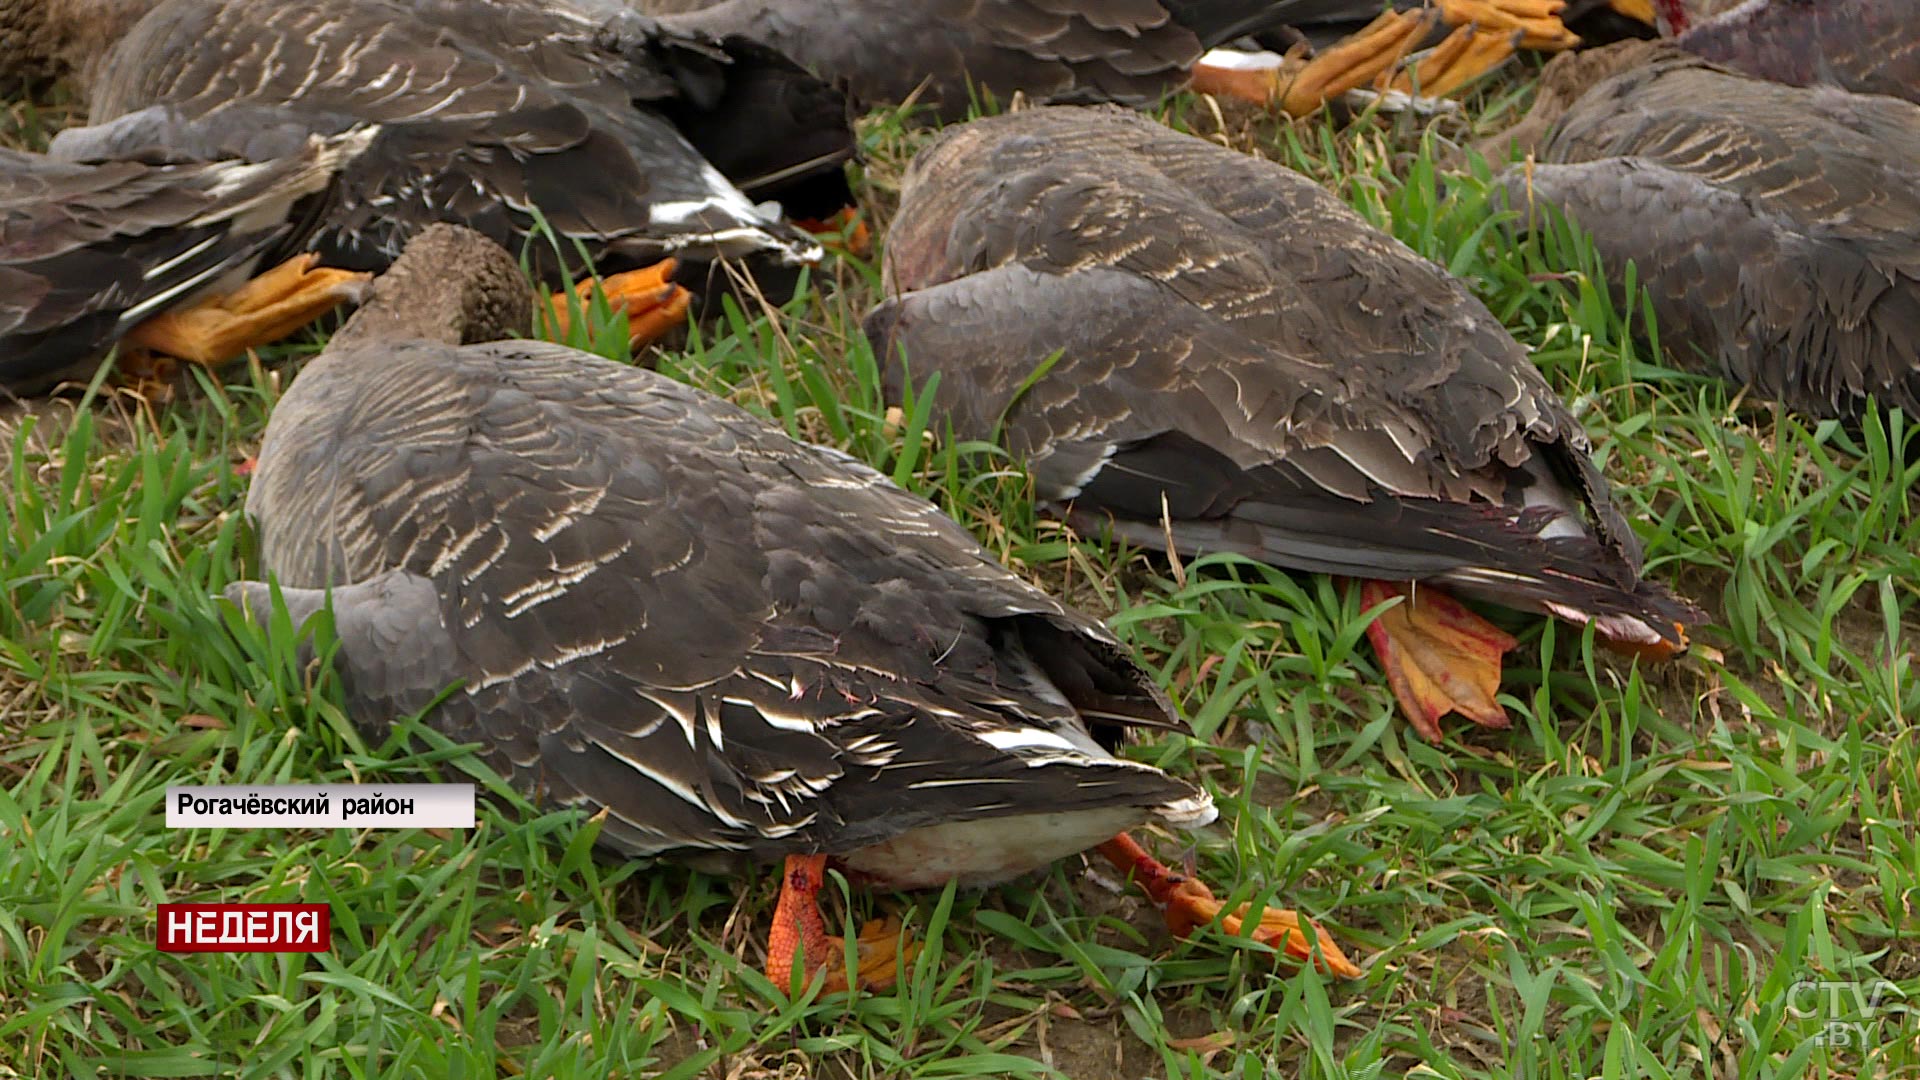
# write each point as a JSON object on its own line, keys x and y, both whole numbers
{"x": 1129, "y": 51}
{"x": 658, "y": 604}
{"x": 949, "y": 54}
{"x": 623, "y": 134}
{"x": 1776, "y": 228}
{"x": 1243, "y": 365}
{"x": 90, "y": 250}
{"x": 1866, "y": 46}
{"x": 650, "y": 602}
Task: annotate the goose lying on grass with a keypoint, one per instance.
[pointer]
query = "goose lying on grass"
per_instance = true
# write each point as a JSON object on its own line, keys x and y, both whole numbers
{"x": 635, "y": 143}
{"x": 93, "y": 254}
{"x": 1866, "y": 46}
{"x": 740, "y": 647}
{"x": 945, "y": 53}
{"x": 1244, "y": 365}
{"x": 1776, "y": 228}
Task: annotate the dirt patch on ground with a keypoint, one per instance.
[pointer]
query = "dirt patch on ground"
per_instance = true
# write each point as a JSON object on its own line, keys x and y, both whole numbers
{"x": 1098, "y": 1046}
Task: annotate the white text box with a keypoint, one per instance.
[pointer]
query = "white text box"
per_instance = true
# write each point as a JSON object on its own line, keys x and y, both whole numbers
{"x": 321, "y": 806}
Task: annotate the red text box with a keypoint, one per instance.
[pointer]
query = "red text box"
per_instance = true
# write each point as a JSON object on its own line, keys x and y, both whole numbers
{"x": 235, "y": 928}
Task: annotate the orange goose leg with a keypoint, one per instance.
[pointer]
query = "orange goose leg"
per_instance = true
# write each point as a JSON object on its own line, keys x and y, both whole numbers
{"x": 1637, "y": 10}
{"x": 797, "y": 922}
{"x": 264, "y": 310}
{"x": 653, "y": 304}
{"x": 1467, "y": 55}
{"x": 1301, "y": 88}
{"x": 1537, "y": 20}
{"x": 1486, "y": 37}
{"x": 1438, "y": 656}
{"x": 845, "y": 231}
{"x": 1188, "y": 903}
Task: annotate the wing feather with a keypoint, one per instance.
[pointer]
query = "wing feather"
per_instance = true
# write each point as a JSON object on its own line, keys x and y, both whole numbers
{"x": 728, "y": 639}
{"x": 1776, "y": 227}
{"x": 1241, "y": 361}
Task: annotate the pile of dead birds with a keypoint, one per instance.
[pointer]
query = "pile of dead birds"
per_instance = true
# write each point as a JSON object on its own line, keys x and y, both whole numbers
{"x": 746, "y": 649}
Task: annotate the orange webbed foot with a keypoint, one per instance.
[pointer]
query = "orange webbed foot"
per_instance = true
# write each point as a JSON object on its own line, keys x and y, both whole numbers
{"x": 1467, "y": 55}
{"x": 1438, "y": 656}
{"x": 1537, "y": 20}
{"x": 1364, "y": 59}
{"x": 262, "y": 311}
{"x": 799, "y": 929}
{"x": 1188, "y": 903}
{"x": 654, "y": 305}
{"x": 1300, "y": 87}
{"x": 845, "y": 231}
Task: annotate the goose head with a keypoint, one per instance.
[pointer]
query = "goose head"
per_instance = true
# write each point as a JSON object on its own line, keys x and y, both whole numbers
{"x": 451, "y": 285}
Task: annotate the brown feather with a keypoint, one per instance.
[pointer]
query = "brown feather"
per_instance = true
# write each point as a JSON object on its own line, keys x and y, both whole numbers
{"x": 658, "y": 604}
{"x": 1777, "y": 228}
{"x": 883, "y": 51}
{"x": 1237, "y": 347}
{"x": 497, "y": 108}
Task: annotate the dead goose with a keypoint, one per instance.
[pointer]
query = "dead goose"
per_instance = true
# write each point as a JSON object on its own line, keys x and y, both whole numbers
{"x": 91, "y": 254}
{"x": 1246, "y": 366}
{"x": 1776, "y": 228}
{"x": 1866, "y": 46}
{"x": 1126, "y": 51}
{"x": 739, "y": 646}
{"x": 621, "y": 133}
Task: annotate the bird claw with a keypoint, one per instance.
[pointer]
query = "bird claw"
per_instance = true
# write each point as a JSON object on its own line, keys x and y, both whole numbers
{"x": 1193, "y": 905}
{"x": 1467, "y": 54}
{"x": 653, "y": 304}
{"x": 1538, "y": 20}
{"x": 1187, "y": 904}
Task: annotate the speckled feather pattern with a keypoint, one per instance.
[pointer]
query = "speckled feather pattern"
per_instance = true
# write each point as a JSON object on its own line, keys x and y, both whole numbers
{"x": 1777, "y": 228}
{"x": 662, "y": 606}
{"x": 1866, "y": 46}
{"x": 1295, "y": 384}
{"x": 1070, "y": 51}
{"x": 491, "y": 107}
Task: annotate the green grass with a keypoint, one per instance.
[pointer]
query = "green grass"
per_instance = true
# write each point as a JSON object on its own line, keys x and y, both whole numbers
{"x": 1630, "y": 883}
